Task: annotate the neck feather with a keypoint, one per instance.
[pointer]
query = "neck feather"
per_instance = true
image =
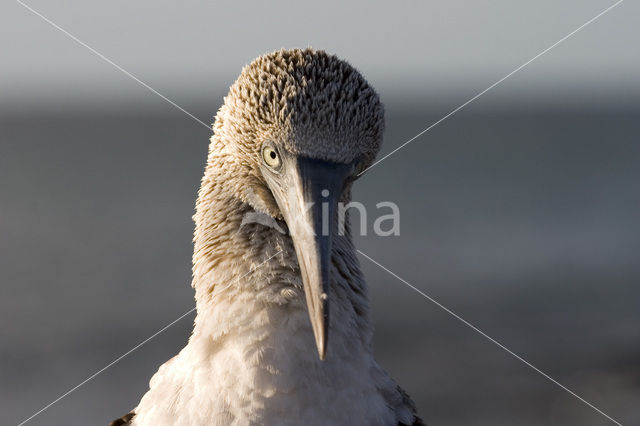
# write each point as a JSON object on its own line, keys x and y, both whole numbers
{"x": 244, "y": 271}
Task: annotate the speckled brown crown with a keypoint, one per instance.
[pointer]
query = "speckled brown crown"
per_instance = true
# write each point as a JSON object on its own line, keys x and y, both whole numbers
{"x": 310, "y": 102}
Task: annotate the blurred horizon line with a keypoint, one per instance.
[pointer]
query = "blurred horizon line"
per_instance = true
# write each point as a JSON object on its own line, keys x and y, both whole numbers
{"x": 207, "y": 104}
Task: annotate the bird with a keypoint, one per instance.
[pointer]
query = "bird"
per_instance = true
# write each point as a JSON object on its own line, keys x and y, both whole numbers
{"x": 283, "y": 330}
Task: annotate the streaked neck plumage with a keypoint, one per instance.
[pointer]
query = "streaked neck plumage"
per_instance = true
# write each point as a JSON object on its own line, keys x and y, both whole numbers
{"x": 252, "y": 358}
{"x": 235, "y": 260}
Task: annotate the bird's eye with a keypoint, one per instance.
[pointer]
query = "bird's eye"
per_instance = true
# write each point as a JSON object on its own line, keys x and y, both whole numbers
{"x": 360, "y": 168}
{"x": 271, "y": 157}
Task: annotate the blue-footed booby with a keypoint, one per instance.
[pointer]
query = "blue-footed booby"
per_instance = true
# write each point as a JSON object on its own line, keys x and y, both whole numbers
{"x": 283, "y": 332}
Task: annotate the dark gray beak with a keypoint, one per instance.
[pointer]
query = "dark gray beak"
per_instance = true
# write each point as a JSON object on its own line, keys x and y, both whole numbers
{"x": 308, "y": 200}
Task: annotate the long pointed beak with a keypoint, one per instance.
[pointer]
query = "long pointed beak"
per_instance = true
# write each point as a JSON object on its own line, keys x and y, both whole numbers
{"x": 313, "y": 191}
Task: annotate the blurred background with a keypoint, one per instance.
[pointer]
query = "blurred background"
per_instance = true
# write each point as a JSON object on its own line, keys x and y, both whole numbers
{"x": 520, "y": 212}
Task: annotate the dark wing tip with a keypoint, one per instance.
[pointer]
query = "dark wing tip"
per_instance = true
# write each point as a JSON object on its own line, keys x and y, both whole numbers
{"x": 406, "y": 399}
{"x": 417, "y": 421}
{"x": 123, "y": 421}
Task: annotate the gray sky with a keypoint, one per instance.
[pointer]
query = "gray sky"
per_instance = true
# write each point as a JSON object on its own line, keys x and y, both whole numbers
{"x": 193, "y": 50}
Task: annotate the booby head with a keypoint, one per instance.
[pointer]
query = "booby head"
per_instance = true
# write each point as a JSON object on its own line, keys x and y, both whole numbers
{"x": 295, "y": 130}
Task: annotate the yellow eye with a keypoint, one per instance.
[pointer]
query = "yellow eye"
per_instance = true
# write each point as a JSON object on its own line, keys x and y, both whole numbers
{"x": 271, "y": 157}
{"x": 359, "y": 169}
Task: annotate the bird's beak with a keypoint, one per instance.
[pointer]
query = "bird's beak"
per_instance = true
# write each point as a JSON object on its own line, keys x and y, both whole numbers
{"x": 309, "y": 205}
